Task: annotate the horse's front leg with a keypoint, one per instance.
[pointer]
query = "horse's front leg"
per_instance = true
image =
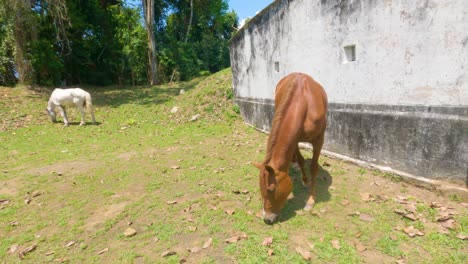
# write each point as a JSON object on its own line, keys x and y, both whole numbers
{"x": 314, "y": 168}
{"x": 63, "y": 112}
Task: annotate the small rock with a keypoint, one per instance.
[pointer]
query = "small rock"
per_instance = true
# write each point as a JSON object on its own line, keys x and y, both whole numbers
{"x": 130, "y": 232}
{"x": 174, "y": 110}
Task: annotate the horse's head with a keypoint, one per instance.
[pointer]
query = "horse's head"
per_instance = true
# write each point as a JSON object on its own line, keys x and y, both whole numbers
{"x": 51, "y": 113}
{"x": 275, "y": 187}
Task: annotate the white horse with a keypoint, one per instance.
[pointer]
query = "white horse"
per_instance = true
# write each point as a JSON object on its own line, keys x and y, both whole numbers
{"x": 62, "y": 98}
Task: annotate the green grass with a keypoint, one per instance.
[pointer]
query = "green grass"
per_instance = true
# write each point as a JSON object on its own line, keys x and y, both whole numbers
{"x": 99, "y": 180}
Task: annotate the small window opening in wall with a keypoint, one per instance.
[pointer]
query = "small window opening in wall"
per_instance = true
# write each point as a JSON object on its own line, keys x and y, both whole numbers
{"x": 350, "y": 53}
{"x": 277, "y": 66}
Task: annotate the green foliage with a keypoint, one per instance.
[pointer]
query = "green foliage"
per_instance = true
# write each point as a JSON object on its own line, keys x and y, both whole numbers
{"x": 104, "y": 42}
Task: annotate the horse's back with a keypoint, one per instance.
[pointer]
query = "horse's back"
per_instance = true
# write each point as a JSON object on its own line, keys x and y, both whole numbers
{"x": 68, "y": 96}
{"x": 306, "y": 96}
{"x": 304, "y": 87}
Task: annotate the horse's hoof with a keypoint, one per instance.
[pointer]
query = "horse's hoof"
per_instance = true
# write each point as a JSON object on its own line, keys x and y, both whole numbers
{"x": 308, "y": 207}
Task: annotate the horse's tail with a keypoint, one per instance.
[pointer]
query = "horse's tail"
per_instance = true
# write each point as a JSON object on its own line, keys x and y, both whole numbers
{"x": 88, "y": 103}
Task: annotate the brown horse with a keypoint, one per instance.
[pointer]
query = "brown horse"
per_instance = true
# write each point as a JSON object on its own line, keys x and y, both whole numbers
{"x": 300, "y": 116}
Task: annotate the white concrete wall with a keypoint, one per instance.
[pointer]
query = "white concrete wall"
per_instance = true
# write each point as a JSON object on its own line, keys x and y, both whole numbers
{"x": 409, "y": 52}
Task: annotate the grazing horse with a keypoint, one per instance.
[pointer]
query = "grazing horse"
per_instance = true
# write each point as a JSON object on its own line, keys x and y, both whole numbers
{"x": 62, "y": 98}
{"x": 300, "y": 116}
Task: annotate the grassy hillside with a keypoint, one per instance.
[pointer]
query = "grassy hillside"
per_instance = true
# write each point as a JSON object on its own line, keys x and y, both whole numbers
{"x": 182, "y": 181}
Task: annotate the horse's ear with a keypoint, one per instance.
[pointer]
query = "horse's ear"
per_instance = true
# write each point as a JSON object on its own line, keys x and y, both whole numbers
{"x": 258, "y": 165}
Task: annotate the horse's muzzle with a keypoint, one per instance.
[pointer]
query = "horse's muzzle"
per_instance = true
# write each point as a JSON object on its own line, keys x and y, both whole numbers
{"x": 270, "y": 218}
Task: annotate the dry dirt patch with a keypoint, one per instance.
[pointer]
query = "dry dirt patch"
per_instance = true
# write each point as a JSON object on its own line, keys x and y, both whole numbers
{"x": 65, "y": 168}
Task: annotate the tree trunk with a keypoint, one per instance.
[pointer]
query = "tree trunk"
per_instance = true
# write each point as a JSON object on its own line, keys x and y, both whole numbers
{"x": 24, "y": 32}
{"x": 190, "y": 21}
{"x": 148, "y": 9}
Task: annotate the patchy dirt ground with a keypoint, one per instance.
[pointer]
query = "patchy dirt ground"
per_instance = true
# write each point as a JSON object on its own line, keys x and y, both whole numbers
{"x": 151, "y": 186}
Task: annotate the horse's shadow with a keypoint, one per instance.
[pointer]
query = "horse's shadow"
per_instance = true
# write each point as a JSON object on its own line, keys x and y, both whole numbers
{"x": 78, "y": 123}
{"x": 301, "y": 193}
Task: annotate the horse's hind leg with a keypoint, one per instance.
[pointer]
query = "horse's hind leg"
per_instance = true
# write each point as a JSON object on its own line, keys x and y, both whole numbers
{"x": 63, "y": 112}
{"x": 300, "y": 161}
{"x": 80, "y": 107}
{"x": 314, "y": 168}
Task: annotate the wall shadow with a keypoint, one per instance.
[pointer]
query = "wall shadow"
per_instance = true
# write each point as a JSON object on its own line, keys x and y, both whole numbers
{"x": 301, "y": 193}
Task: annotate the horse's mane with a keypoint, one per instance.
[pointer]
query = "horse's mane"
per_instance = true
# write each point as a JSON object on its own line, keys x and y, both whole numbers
{"x": 278, "y": 117}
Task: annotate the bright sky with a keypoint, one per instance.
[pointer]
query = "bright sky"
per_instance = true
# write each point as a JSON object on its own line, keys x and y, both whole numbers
{"x": 247, "y": 8}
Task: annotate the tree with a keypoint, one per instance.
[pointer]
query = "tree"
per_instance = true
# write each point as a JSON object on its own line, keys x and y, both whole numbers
{"x": 148, "y": 11}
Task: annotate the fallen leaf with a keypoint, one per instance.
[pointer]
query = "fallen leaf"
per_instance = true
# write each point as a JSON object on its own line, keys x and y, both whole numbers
{"x": 450, "y": 224}
{"x": 49, "y": 253}
{"x": 194, "y": 249}
{"x": 229, "y": 211}
{"x": 393, "y": 237}
{"x": 400, "y": 211}
{"x": 312, "y": 246}
{"x": 4, "y": 201}
{"x": 171, "y": 202}
{"x": 400, "y": 261}
{"x": 71, "y": 243}
{"x": 208, "y": 243}
{"x": 168, "y": 253}
{"x": 345, "y": 202}
{"x": 192, "y": 228}
{"x": 37, "y": 193}
{"x": 103, "y": 251}
{"x": 270, "y": 252}
{"x": 444, "y": 216}
{"x": 12, "y": 248}
{"x": 443, "y": 230}
{"x": 366, "y": 197}
{"x": 401, "y": 200}
{"x": 358, "y": 235}
{"x": 233, "y": 239}
{"x": 129, "y": 232}
{"x": 27, "y": 250}
{"x": 356, "y": 213}
{"x": 462, "y": 236}
{"x": 410, "y": 216}
{"x": 267, "y": 241}
{"x": 61, "y": 260}
{"x": 258, "y": 214}
{"x": 155, "y": 239}
{"x": 366, "y": 217}
{"x": 411, "y": 231}
{"x": 304, "y": 253}
{"x": 335, "y": 244}
{"x": 175, "y": 167}
{"x": 359, "y": 246}
{"x": 245, "y": 191}
{"x": 27, "y": 201}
